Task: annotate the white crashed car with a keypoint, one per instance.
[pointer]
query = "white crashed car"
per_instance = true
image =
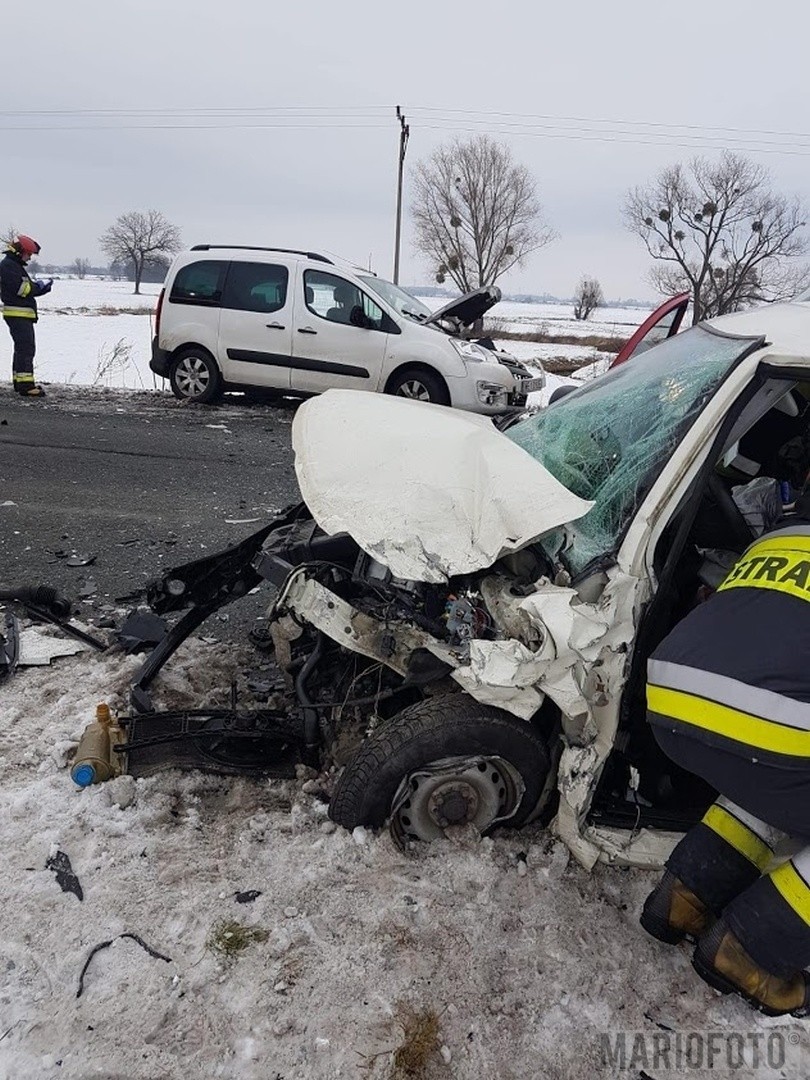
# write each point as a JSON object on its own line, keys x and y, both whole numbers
{"x": 463, "y": 616}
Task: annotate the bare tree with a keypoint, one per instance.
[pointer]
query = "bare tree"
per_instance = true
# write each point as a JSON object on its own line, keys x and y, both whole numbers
{"x": 721, "y": 233}
{"x": 138, "y": 237}
{"x": 587, "y": 298}
{"x": 81, "y": 268}
{"x": 476, "y": 212}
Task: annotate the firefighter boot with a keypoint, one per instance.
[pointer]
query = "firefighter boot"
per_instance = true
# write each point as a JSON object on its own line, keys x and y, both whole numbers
{"x": 673, "y": 912}
{"x": 723, "y": 963}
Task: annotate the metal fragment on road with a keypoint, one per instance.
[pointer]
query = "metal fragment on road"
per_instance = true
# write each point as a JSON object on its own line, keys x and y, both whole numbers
{"x": 80, "y": 560}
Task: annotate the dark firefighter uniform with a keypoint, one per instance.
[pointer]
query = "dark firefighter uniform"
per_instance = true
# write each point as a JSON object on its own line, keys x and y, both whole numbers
{"x": 728, "y": 696}
{"x": 18, "y": 293}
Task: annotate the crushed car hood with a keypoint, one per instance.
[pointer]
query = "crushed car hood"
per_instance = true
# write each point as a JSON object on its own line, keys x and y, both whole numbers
{"x": 429, "y": 491}
{"x": 473, "y": 305}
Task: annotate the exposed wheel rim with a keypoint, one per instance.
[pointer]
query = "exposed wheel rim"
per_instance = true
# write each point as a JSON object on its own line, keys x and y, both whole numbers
{"x": 455, "y": 791}
{"x": 193, "y": 376}
{"x": 415, "y": 389}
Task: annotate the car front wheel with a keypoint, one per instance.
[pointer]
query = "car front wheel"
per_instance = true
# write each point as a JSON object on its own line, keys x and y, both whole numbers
{"x": 441, "y": 762}
{"x": 194, "y": 376}
{"x": 420, "y": 385}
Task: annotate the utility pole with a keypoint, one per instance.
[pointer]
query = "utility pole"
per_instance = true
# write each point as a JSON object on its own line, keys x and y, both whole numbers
{"x": 404, "y": 132}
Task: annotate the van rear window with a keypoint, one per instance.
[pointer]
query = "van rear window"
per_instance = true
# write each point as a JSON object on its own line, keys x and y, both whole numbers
{"x": 199, "y": 283}
{"x": 256, "y": 287}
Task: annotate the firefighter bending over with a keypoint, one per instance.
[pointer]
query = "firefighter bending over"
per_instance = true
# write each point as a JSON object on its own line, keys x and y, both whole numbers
{"x": 728, "y": 696}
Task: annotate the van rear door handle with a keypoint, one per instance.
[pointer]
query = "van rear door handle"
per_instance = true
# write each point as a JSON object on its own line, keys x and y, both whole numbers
{"x": 274, "y": 326}
{"x": 306, "y": 330}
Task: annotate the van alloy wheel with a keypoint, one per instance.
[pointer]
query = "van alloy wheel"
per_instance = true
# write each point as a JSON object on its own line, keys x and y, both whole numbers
{"x": 419, "y": 384}
{"x": 195, "y": 376}
{"x": 415, "y": 389}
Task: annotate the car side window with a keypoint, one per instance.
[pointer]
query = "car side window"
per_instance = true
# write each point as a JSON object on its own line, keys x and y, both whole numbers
{"x": 199, "y": 283}
{"x": 333, "y": 298}
{"x": 256, "y": 287}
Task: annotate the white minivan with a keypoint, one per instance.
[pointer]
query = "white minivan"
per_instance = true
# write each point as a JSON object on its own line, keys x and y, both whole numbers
{"x": 297, "y": 321}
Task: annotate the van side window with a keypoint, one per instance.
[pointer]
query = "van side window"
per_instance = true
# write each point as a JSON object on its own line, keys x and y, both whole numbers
{"x": 256, "y": 287}
{"x": 199, "y": 283}
{"x": 333, "y": 298}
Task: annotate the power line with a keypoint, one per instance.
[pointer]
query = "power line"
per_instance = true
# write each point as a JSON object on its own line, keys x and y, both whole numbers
{"x": 445, "y": 114}
{"x": 372, "y": 117}
{"x": 606, "y": 120}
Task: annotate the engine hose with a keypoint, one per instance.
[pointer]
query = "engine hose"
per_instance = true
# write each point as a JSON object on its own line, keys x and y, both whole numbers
{"x": 311, "y": 720}
{"x": 44, "y": 597}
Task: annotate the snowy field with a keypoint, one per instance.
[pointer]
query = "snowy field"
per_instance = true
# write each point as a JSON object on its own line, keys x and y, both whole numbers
{"x": 83, "y": 341}
{"x": 467, "y": 958}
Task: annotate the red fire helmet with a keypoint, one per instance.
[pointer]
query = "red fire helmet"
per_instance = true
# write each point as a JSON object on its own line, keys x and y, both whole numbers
{"x": 25, "y": 245}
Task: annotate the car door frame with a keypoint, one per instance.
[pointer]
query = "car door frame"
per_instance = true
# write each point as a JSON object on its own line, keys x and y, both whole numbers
{"x": 339, "y": 368}
{"x": 273, "y": 365}
{"x": 681, "y": 301}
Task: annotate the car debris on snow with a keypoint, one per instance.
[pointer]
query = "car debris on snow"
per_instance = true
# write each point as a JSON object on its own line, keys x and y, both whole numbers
{"x": 66, "y": 878}
{"x": 38, "y": 647}
{"x": 106, "y": 944}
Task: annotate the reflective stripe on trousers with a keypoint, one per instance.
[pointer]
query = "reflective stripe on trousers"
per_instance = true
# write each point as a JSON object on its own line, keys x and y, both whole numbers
{"x": 723, "y": 859}
{"x": 22, "y": 333}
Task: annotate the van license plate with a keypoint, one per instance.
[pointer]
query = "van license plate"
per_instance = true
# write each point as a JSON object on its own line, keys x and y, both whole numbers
{"x": 525, "y": 386}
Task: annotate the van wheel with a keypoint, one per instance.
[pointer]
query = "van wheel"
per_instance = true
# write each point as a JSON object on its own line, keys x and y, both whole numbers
{"x": 444, "y": 761}
{"x": 194, "y": 376}
{"x": 420, "y": 385}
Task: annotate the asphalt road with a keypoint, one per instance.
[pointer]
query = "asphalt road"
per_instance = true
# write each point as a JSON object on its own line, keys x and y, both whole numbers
{"x": 137, "y": 481}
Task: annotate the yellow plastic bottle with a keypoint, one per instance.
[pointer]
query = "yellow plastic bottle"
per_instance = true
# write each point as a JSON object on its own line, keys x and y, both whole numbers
{"x": 93, "y": 762}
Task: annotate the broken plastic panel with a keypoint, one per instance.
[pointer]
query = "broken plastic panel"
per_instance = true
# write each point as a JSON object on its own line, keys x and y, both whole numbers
{"x": 608, "y": 441}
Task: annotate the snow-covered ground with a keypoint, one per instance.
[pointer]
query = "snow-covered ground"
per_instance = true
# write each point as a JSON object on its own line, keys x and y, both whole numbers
{"x": 469, "y": 958}
{"x": 502, "y": 956}
{"x": 84, "y": 341}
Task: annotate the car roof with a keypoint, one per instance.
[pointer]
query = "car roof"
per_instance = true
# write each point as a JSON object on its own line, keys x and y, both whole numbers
{"x": 786, "y": 328}
{"x": 238, "y": 249}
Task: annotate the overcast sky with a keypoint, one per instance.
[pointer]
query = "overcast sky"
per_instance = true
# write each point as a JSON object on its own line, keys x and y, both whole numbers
{"x": 592, "y": 97}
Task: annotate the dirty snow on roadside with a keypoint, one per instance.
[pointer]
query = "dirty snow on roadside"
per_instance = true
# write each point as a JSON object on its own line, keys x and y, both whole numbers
{"x": 289, "y": 949}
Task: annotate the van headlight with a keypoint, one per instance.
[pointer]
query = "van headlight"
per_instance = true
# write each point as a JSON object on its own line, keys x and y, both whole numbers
{"x": 468, "y": 350}
{"x": 490, "y": 393}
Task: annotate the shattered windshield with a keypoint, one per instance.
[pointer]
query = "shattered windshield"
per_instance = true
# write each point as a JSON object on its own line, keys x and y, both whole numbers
{"x": 609, "y": 440}
{"x": 399, "y": 300}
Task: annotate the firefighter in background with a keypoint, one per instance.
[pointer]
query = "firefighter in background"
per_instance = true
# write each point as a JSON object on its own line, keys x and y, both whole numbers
{"x": 728, "y": 696}
{"x": 18, "y": 293}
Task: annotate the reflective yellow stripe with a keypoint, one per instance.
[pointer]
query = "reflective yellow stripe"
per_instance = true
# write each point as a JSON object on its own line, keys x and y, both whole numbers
{"x": 23, "y": 378}
{"x": 728, "y": 722}
{"x": 781, "y": 564}
{"x": 793, "y": 888}
{"x": 738, "y": 835}
{"x": 19, "y": 313}
{"x": 783, "y": 541}
{"x": 25, "y": 288}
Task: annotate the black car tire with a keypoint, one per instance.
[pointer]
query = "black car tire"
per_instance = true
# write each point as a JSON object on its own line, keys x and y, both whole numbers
{"x": 194, "y": 376}
{"x": 451, "y": 726}
{"x": 419, "y": 384}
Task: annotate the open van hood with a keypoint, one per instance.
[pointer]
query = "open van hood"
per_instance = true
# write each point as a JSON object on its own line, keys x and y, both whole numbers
{"x": 429, "y": 491}
{"x": 466, "y": 309}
